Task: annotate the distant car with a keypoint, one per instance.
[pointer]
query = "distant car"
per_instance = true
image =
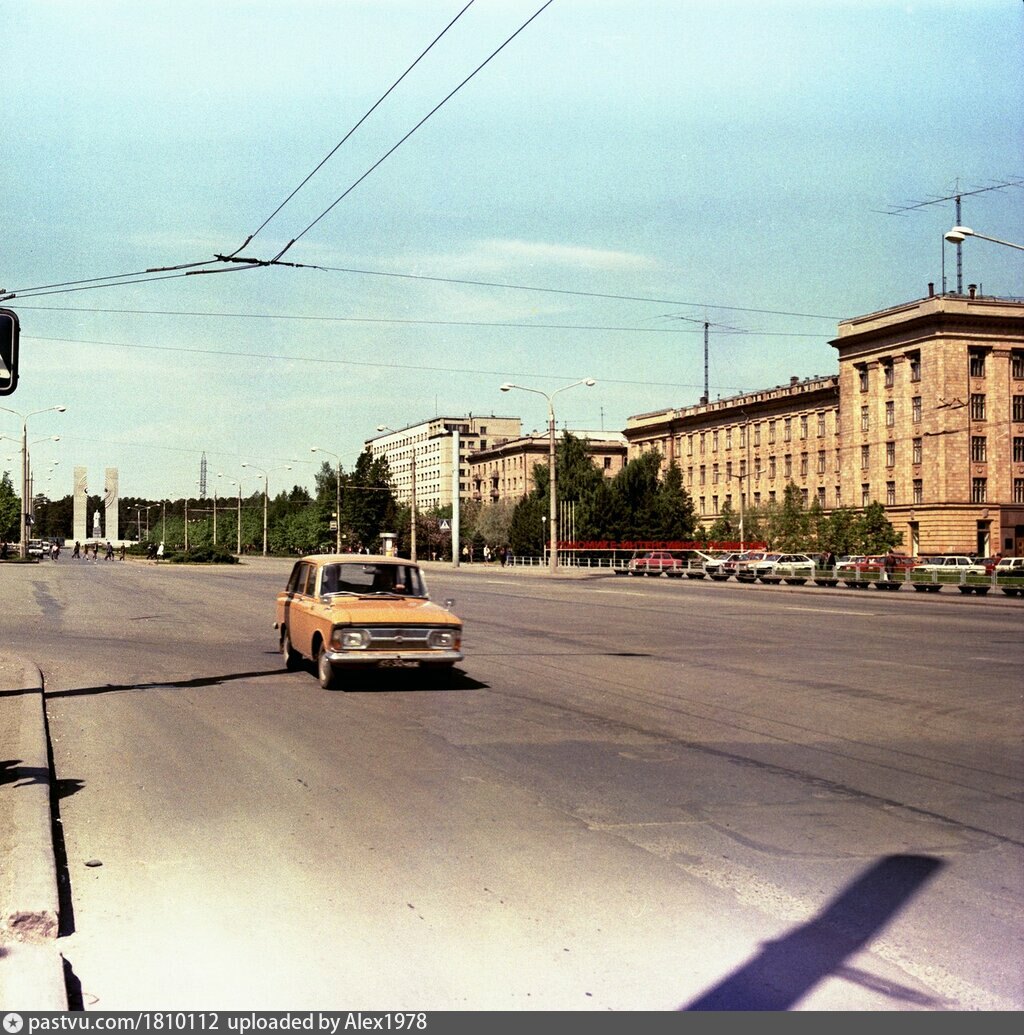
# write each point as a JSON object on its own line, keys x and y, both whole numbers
{"x": 792, "y": 568}
{"x": 1009, "y": 575}
{"x": 931, "y": 573}
{"x": 37, "y": 548}
{"x": 657, "y": 562}
{"x": 722, "y": 568}
{"x": 349, "y": 611}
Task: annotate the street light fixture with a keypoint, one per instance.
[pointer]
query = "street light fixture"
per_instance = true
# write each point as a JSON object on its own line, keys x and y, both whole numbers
{"x": 24, "y": 469}
{"x": 958, "y": 234}
{"x": 337, "y": 495}
{"x": 266, "y": 494}
{"x": 589, "y": 382}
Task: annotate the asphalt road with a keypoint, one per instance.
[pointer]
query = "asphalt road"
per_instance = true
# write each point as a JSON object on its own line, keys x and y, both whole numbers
{"x": 640, "y": 795}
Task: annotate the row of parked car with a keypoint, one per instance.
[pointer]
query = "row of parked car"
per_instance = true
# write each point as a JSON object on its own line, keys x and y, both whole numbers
{"x": 883, "y": 571}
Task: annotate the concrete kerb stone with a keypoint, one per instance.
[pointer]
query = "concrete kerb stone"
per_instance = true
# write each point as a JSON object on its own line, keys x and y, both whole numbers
{"x": 31, "y": 969}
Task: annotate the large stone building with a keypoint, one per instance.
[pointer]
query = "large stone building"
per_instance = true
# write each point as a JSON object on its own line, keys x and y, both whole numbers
{"x": 926, "y": 416}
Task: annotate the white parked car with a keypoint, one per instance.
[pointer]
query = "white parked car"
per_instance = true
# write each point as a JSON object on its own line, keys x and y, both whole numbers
{"x": 793, "y": 568}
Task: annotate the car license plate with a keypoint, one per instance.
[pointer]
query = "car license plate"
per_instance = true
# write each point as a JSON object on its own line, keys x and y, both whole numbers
{"x": 399, "y": 663}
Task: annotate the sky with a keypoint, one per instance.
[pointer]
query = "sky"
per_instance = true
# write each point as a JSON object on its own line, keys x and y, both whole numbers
{"x": 616, "y": 175}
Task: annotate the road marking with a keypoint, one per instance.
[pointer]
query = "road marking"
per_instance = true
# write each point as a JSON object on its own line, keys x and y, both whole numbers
{"x": 831, "y": 611}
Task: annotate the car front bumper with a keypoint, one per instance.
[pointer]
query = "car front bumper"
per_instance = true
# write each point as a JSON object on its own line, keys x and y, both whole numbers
{"x": 396, "y": 659}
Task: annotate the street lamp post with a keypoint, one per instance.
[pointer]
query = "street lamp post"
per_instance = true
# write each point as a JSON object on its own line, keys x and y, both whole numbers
{"x": 24, "y": 470}
{"x": 337, "y": 496}
{"x": 266, "y": 494}
{"x": 552, "y": 481}
{"x": 238, "y": 545}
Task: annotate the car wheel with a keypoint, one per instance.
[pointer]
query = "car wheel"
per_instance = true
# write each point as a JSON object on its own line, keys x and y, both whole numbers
{"x": 325, "y": 670}
{"x": 292, "y": 658}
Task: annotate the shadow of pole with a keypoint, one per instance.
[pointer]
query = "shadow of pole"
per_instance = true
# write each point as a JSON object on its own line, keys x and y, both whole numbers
{"x": 786, "y": 970}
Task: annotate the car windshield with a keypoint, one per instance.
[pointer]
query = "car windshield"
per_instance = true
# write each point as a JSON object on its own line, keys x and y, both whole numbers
{"x": 372, "y": 580}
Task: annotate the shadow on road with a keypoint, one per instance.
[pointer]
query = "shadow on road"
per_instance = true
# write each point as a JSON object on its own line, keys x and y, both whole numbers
{"x": 786, "y": 970}
{"x": 163, "y": 684}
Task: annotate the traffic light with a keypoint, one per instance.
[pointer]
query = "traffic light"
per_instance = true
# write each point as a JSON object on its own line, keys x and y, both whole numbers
{"x": 8, "y": 351}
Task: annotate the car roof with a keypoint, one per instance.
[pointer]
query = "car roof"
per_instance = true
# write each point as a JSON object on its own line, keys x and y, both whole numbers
{"x": 354, "y": 558}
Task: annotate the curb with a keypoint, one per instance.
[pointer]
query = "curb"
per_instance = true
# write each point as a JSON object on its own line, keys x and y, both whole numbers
{"x": 32, "y": 965}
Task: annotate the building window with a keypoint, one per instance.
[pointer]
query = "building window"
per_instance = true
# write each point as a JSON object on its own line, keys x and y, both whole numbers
{"x": 979, "y": 449}
{"x": 864, "y": 418}
{"x": 689, "y": 445}
{"x": 837, "y": 460}
{"x": 839, "y": 496}
{"x": 862, "y": 374}
{"x": 915, "y": 366}
{"x": 728, "y": 438}
{"x": 887, "y": 371}
{"x": 976, "y": 362}
{"x": 1018, "y": 490}
{"x": 788, "y": 466}
{"x": 821, "y": 425}
{"x": 979, "y": 490}
{"x": 865, "y": 457}
{"x": 787, "y": 430}
{"x": 1018, "y": 449}
{"x": 1018, "y": 407}
{"x": 803, "y": 426}
{"x": 714, "y": 477}
{"x": 918, "y": 447}
{"x": 977, "y": 407}
{"x": 771, "y": 467}
{"x": 771, "y": 432}
{"x": 915, "y": 409}
{"x": 918, "y": 491}
{"x": 703, "y": 474}
{"x": 865, "y": 495}
{"x": 702, "y": 443}
{"x": 771, "y": 497}
{"x": 804, "y": 498}
{"x": 714, "y": 441}
{"x": 743, "y": 468}
{"x": 1017, "y": 364}
{"x": 714, "y": 505}
{"x": 803, "y": 465}
{"x": 703, "y": 505}
{"x": 757, "y": 434}
{"x": 890, "y": 414}
{"x": 728, "y": 471}
{"x": 890, "y": 494}
{"x": 821, "y": 461}
{"x": 890, "y": 454}
{"x": 821, "y": 495}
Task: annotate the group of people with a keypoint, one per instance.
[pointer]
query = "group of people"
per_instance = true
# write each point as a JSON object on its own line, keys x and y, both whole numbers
{"x": 82, "y": 553}
{"x": 501, "y": 554}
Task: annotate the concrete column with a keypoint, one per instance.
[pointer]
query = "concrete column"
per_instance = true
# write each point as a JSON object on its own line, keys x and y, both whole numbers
{"x": 79, "y": 530}
{"x": 111, "y": 499}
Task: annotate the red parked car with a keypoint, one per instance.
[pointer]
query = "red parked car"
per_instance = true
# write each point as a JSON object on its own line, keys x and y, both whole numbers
{"x": 656, "y": 562}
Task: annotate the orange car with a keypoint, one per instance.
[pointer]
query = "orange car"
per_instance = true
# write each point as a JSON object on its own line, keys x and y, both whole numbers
{"x": 363, "y": 611}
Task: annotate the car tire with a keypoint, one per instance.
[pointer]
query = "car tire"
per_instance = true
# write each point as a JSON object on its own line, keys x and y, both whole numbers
{"x": 292, "y": 658}
{"x": 325, "y": 671}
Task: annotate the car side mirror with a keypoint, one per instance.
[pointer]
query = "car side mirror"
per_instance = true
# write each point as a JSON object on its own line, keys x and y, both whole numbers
{"x": 449, "y": 603}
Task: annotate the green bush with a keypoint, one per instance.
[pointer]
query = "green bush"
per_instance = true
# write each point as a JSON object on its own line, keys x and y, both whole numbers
{"x": 202, "y": 555}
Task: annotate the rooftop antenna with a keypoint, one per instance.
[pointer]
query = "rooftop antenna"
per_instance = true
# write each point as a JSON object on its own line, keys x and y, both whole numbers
{"x": 705, "y": 398}
{"x": 202, "y": 477}
{"x": 912, "y": 206}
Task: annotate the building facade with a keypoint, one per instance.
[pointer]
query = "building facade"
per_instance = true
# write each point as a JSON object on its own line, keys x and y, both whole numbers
{"x": 504, "y": 471}
{"x": 420, "y": 455}
{"x": 926, "y": 416}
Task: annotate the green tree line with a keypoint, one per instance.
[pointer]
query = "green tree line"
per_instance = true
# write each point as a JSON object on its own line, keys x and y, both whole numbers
{"x": 641, "y": 503}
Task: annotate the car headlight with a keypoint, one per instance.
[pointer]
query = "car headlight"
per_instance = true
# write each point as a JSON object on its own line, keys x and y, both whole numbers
{"x": 442, "y": 639}
{"x": 350, "y": 639}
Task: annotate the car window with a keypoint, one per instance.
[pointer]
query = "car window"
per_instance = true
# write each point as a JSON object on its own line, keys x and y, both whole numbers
{"x": 310, "y": 580}
{"x": 298, "y": 573}
{"x": 367, "y": 579}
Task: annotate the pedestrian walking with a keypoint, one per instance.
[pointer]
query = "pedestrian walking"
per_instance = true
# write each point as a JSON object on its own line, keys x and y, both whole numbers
{"x": 160, "y": 551}
{"x": 122, "y": 552}
{"x": 76, "y": 553}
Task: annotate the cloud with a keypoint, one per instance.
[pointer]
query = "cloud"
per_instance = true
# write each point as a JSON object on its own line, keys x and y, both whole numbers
{"x": 503, "y": 255}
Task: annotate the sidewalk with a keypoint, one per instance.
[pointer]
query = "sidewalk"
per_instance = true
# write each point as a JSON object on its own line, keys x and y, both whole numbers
{"x": 31, "y": 968}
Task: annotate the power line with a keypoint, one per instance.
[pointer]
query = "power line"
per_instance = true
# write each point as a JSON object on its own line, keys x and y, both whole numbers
{"x": 368, "y": 113}
{"x": 429, "y": 114}
{"x": 422, "y": 322}
{"x": 344, "y": 362}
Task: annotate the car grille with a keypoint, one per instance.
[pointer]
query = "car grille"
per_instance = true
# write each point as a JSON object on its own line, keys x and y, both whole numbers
{"x": 405, "y": 637}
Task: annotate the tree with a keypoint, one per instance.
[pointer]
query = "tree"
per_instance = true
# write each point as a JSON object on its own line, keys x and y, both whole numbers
{"x": 875, "y": 531}
{"x": 527, "y": 530}
{"x": 10, "y": 509}
{"x": 789, "y": 529}
{"x": 368, "y": 502}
